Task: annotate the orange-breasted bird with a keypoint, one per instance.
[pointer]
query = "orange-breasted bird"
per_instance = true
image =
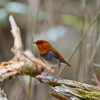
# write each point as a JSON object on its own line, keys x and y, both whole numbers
{"x": 49, "y": 55}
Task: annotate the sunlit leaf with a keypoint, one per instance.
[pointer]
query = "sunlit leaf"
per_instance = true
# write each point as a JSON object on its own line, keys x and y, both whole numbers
{"x": 74, "y": 21}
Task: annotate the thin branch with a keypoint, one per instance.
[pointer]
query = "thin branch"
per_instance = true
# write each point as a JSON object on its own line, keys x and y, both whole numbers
{"x": 34, "y": 30}
{"x": 96, "y": 79}
{"x": 29, "y": 88}
{"x": 84, "y": 2}
{"x": 94, "y": 51}
{"x": 36, "y": 60}
{"x": 35, "y": 23}
{"x": 97, "y": 65}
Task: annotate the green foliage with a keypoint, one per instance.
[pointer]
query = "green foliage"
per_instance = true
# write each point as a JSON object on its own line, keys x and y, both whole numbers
{"x": 73, "y": 21}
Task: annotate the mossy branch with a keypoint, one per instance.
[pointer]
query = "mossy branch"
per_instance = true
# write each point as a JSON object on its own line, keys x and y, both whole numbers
{"x": 23, "y": 62}
{"x": 65, "y": 89}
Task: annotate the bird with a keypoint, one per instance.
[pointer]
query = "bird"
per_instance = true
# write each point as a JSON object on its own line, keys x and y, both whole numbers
{"x": 49, "y": 55}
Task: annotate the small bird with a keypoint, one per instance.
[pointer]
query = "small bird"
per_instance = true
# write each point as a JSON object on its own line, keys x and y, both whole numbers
{"x": 49, "y": 55}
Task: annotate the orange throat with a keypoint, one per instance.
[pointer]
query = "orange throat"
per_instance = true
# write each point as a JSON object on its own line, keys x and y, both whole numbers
{"x": 43, "y": 49}
{"x": 43, "y": 52}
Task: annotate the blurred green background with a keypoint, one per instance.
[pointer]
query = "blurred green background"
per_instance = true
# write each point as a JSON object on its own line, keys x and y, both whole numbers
{"x": 62, "y": 23}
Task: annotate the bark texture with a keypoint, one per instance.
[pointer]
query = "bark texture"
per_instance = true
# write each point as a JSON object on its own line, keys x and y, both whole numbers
{"x": 65, "y": 89}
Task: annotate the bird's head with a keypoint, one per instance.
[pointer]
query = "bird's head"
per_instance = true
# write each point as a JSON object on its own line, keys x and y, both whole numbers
{"x": 43, "y": 46}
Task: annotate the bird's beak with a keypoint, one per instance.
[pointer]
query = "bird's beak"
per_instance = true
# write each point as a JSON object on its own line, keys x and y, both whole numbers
{"x": 34, "y": 42}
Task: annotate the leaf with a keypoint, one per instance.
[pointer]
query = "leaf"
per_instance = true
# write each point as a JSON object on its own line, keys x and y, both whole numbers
{"x": 73, "y": 21}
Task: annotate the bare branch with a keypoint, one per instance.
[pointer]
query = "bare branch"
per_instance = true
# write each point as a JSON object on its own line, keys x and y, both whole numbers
{"x": 16, "y": 34}
{"x": 95, "y": 49}
{"x": 23, "y": 63}
{"x": 96, "y": 79}
{"x": 97, "y": 65}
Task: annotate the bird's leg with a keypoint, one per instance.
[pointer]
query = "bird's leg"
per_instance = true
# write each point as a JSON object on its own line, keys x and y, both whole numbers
{"x": 58, "y": 70}
{"x": 49, "y": 71}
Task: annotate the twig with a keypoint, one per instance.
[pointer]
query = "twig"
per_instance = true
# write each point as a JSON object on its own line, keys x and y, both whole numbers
{"x": 96, "y": 79}
{"x": 38, "y": 61}
{"x": 34, "y": 29}
{"x": 84, "y": 2}
{"x": 35, "y": 23}
{"x": 87, "y": 51}
{"x": 29, "y": 88}
{"x": 95, "y": 49}
{"x": 97, "y": 65}
{"x": 46, "y": 97}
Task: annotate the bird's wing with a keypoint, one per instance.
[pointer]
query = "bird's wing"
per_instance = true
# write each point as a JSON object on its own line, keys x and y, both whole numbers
{"x": 58, "y": 56}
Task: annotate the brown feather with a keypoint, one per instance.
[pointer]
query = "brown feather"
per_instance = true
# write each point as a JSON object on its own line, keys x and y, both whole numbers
{"x": 45, "y": 47}
{"x": 58, "y": 56}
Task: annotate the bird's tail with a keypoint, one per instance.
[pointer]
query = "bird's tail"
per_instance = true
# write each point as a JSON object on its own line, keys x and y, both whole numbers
{"x": 68, "y": 64}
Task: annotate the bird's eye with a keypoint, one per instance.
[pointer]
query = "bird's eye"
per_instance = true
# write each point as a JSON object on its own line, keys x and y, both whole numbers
{"x": 41, "y": 42}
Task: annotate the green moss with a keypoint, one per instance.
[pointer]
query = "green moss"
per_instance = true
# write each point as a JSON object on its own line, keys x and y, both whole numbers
{"x": 31, "y": 71}
{"x": 84, "y": 87}
{"x": 74, "y": 82}
{"x": 88, "y": 95}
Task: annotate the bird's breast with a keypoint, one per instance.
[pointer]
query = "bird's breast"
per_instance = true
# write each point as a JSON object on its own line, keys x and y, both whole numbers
{"x": 49, "y": 59}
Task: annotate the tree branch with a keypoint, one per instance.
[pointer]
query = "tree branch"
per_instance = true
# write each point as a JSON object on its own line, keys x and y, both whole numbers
{"x": 23, "y": 62}
{"x": 65, "y": 89}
